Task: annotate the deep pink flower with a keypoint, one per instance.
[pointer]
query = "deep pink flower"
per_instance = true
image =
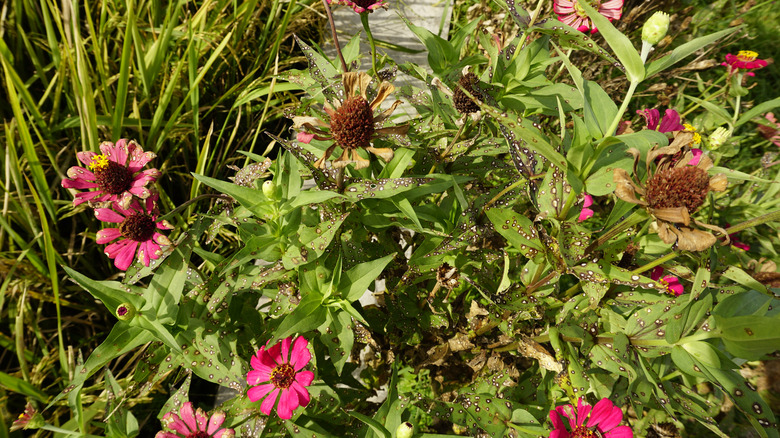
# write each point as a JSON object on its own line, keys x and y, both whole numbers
{"x": 277, "y": 372}
{"x": 361, "y": 6}
{"x": 29, "y": 419}
{"x": 669, "y": 123}
{"x": 736, "y": 242}
{"x": 586, "y": 212}
{"x": 744, "y": 60}
{"x": 670, "y": 282}
{"x": 194, "y": 424}
{"x": 571, "y": 13}
{"x": 116, "y": 174}
{"x": 697, "y": 153}
{"x": 586, "y": 421}
{"x": 137, "y": 228}
{"x": 770, "y": 131}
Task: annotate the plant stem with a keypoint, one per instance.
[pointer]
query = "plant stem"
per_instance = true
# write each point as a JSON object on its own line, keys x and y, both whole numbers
{"x": 672, "y": 255}
{"x": 613, "y": 126}
{"x": 769, "y": 217}
{"x": 335, "y": 37}
{"x": 364, "y": 21}
{"x": 635, "y": 218}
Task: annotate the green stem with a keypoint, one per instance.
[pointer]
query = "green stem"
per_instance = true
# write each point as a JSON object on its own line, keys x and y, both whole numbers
{"x": 635, "y": 218}
{"x": 737, "y": 105}
{"x": 503, "y": 192}
{"x": 534, "y": 16}
{"x": 619, "y": 116}
{"x": 769, "y": 217}
{"x": 364, "y": 21}
{"x": 671, "y": 256}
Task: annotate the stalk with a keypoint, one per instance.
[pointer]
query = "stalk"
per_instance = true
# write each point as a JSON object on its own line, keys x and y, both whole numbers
{"x": 335, "y": 37}
{"x": 364, "y": 21}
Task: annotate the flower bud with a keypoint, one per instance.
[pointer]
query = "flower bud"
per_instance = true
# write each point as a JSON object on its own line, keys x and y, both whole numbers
{"x": 125, "y": 311}
{"x": 269, "y": 189}
{"x": 718, "y": 137}
{"x": 655, "y": 28}
{"x": 404, "y": 430}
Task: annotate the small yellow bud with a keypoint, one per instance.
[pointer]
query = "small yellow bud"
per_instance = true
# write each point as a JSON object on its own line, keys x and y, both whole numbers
{"x": 404, "y": 430}
{"x": 655, "y": 28}
{"x": 269, "y": 189}
{"x": 98, "y": 162}
{"x": 718, "y": 137}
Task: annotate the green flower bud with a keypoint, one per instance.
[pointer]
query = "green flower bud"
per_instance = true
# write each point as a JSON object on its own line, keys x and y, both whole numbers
{"x": 404, "y": 430}
{"x": 125, "y": 311}
{"x": 718, "y": 137}
{"x": 655, "y": 28}
{"x": 269, "y": 189}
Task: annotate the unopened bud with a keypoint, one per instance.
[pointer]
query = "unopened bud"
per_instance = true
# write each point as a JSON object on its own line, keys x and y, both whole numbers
{"x": 404, "y": 430}
{"x": 655, "y": 28}
{"x": 269, "y": 189}
{"x": 125, "y": 311}
{"x": 718, "y": 137}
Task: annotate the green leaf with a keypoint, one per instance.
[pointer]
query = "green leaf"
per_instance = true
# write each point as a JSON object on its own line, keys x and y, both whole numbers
{"x": 600, "y": 109}
{"x": 307, "y": 316}
{"x": 718, "y": 112}
{"x": 440, "y": 52}
{"x": 619, "y": 43}
{"x": 685, "y": 50}
{"x": 518, "y": 230}
{"x": 252, "y": 199}
{"x": 758, "y": 110}
{"x": 356, "y": 281}
{"x": 23, "y": 387}
{"x": 110, "y": 293}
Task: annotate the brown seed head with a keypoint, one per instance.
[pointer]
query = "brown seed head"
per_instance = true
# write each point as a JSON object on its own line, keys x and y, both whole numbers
{"x": 139, "y": 227}
{"x": 353, "y": 123}
{"x": 678, "y": 187}
{"x": 113, "y": 178}
{"x": 463, "y": 103}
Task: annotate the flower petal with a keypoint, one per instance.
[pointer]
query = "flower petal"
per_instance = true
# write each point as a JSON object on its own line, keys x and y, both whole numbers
{"x": 268, "y": 403}
{"x": 256, "y": 393}
{"x": 304, "y": 378}
{"x": 288, "y": 401}
{"x": 126, "y": 255}
{"x": 188, "y": 416}
{"x": 216, "y": 420}
{"x": 108, "y": 215}
{"x": 301, "y": 355}
{"x": 302, "y": 393}
{"x": 620, "y": 432}
{"x": 107, "y": 235}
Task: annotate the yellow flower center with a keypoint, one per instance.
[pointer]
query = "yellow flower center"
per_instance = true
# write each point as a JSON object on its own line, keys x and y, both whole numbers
{"x": 283, "y": 376}
{"x": 747, "y": 55}
{"x": 595, "y": 4}
{"x": 696, "y": 135}
{"x": 98, "y": 162}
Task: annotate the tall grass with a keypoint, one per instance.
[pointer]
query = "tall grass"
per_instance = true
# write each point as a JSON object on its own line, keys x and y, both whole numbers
{"x": 191, "y": 81}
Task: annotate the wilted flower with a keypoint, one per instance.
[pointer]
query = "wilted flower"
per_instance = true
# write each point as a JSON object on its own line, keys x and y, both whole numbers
{"x": 719, "y": 136}
{"x": 29, "y": 419}
{"x": 571, "y": 13}
{"x": 669, "y": 123}
{"x": 586, "y": 421}
{"x": 674, "y": 189}
{"x": 586, "y": 213}
{"x": 771, "y": 130}
{"x": 670, "y": 282}
{"x": 655, "y": 28}
{"x": 361, "y": 6}
{"x": 194, "y": 424}
{"x": 116, "y": 174}
{"x": 463, "y": 103}
{"x": 744, "y": 60}
{"x": 137, "y": 227}
{"x": 352, "y": 123}
{"x": 277, "y": 372}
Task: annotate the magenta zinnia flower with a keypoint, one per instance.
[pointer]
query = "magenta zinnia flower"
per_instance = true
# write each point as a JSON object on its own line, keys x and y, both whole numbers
{"x": 669, "y": 123}
{"x": 744, "y": 60}
{"x": 116, "y": 178}
{"x": 29, "y": 419}
{"x": 137, "y": 228}
{"x": 571, "y": 13}
{"x": 361, "y": 6}
{"x": 277, "y": 372}
{"x": 586, "y": 421}
{"x": 194, "y": 424}
{"x": 670, "y": 282}
{"x": 586, "y": 212}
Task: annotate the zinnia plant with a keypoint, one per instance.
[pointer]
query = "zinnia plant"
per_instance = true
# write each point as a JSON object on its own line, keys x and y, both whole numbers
{"x": 571, "y": 13}
{"x": 670, "y": 122}
{"x": 586, "y": 421}
{"x": 277, "y": 372}
{"x": 191, "y": 423}
{"x": 115, "y": 175}
{"x": 744, "y": 60}
{"x": 138, "y": 230}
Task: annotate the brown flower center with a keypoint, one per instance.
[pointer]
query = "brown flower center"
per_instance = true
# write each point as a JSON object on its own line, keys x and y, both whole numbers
{"x": 364, "y": 3}
{"x": 678, "y": 187}
{"x": 199, "y": 434}
{"x": 139, "y": 227}
{"x": 584, "y": 432}
{"x": 353, "y": 124}
{"x": 283, "y": 376}
{"x": 463, "y": 103}
{"x": 113, "y": 177}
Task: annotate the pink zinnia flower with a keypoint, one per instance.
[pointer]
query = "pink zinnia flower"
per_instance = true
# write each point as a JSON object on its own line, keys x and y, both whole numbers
{"x": 670, "y": 282}
{"x": 744, "y": 60}
{"x": 194, "y": 424}
{"x": 137, "y": 228}
{"x": 277, "y": 372}
{"x": 770, "y": 131}
{"x": 29, "y": 419}
{"x": 571, "y": 13}
{"x": 361, "y": 6}
{"x": 116, "y": 178}
{"x": 697, "y": 154}
{"x": 586, "y": 421}
{"x": 586, "y": 212}
{"x": 669, "y": 123}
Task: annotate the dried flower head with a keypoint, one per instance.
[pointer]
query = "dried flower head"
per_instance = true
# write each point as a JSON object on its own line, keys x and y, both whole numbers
{"x": 353, "y": 124}
{"x": 361, "y": 6}
{"x": 676, "y": 186}
{"x": 463, "y": 103}
{"x": 115, "y": 174}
